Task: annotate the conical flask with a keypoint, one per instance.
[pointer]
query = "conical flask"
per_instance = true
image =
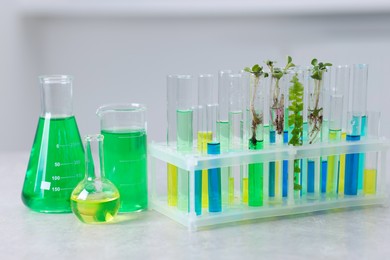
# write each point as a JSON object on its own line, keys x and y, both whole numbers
{"x": 95, "y": 199}
{"x": 56, "y": 162}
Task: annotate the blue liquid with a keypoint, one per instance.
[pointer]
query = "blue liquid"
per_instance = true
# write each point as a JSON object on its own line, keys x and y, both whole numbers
{"x": 324, "y": 173}
{"x": 285, "y": 167}
{"x": 271, "y": 183}
{"x": 215, "y": 197}
{"x": 310, "y": 176}
{"x": 351, "y": 169}
{"x": 362, "y": 157}
{"x": 272, "y": 137}
{"x": 198, "y": 192}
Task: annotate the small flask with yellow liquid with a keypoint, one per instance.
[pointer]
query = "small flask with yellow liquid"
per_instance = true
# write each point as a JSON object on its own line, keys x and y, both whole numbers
{"x": 95, "y": 199}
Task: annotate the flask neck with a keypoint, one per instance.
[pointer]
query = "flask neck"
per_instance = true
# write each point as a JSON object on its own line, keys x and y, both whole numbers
{"x": 94, "y": 161}
{"x": 56, "y": 96}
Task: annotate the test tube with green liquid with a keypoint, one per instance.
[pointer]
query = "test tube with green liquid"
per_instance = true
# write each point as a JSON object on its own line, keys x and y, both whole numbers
{"x": 359, "y": 106}
{"x": 255, "y": 110}
{"x": 184, "y": 130}
{"x": 235, "y": 117}
{"x": 205, "y": 91}
{"x": 371, "y": 158}
{"x": 172, "y": 81}
{"x": 227, "y": 178}
{"x": 335, "y": 125}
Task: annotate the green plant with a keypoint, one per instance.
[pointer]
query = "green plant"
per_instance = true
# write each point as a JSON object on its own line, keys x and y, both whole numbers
{"x": 257, "y": 118}
{"x": 277, "y": 103}
{"x": 315, "y": 112}
{"x": 295, "y": 120}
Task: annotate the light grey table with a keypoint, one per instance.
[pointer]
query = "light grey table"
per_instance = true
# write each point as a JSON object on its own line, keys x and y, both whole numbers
{"x": 358, "y": 233}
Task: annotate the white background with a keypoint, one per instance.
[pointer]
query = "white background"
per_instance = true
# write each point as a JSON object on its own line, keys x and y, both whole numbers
{"x": 122, "y": 52}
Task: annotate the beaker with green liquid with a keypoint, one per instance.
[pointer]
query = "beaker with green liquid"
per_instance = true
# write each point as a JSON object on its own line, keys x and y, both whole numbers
{"x": 125, "y": 159}
{"x": 95, "y": 199}
{"x": 56, "y": 162}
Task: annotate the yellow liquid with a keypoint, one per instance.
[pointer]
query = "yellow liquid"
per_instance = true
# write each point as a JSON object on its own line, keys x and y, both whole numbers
{"x": 172, "y": 184}
{"x": 334, "y": 135}
{"x": 245, "y": 190}
{"x": 231, "y": 190}
{"x": 95, "y": 209}
{"x": 369, "y": 181}
{"x": 203, "y": 139}
{"x": 342, "y": 168}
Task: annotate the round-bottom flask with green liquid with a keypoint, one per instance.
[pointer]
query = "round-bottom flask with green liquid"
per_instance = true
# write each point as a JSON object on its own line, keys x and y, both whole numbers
{"x": 95, "y": 199}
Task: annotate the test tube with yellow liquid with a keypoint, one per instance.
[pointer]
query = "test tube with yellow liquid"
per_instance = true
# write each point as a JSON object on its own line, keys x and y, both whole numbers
{"x": 172, "y": 81}
{"x": 371, "y": 158}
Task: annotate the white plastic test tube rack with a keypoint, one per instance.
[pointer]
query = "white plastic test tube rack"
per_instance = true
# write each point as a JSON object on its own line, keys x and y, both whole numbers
{"x": 160, "y": 155}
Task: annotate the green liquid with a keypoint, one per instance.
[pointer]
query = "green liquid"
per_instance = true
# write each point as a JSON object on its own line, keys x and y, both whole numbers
{"x": 255, "y": 178}
{"x": 184, "y": 130}
{"x": 95, "y": 209}
{"x": 223, "y": 134}
{"x": 55, "y": 167}
{"x": 184, "y": 144}
{"x": 125, "y": 166}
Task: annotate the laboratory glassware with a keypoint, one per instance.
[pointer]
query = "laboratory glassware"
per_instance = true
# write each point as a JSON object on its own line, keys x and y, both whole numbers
{"x": 125, "y": 152}
{"x": 95, "y": 199}
{"x": 255, "y": 133}
{"x": 184, "y": 129}
{"x": 56, "y": 162}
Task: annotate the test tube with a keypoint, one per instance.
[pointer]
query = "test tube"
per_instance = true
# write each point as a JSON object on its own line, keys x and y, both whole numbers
{"x": 255, "y": 108}
{"x": 172, "y": 81}
{"x": 235, "y": 119}
{"x": 352, "y": 160}
{"x": 317, "y": 167}
{"x": 359, "y": 105}
{"x": 296, "y": 87}
{"x": 227, "y": 179}
{"x": 214, "y": 174}
{"x": 223, "y": 109}
{"x": 205, "y": 89}
{"x": 342, "y": 81}
{"x": 371, "y": 163}
{"x": 184, "y": 117}
{"x": 335, "y": 124}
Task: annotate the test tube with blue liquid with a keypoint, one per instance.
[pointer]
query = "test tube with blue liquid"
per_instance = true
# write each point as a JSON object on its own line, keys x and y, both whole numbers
{"x": 277, "y": 109}
{"x": 352, "y": 160}
{"x": 214, "y": 174}
{"x": 184, "y": 119}
{"x": 317, "y": 168}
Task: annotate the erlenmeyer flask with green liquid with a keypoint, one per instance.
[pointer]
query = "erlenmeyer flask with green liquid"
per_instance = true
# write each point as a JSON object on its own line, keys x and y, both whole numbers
{"x": 57, "y": 161}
